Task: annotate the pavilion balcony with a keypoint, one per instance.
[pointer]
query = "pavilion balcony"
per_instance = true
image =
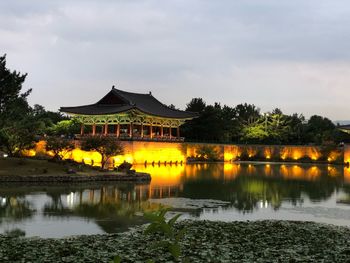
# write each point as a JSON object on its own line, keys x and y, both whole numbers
{"x": 126, "y": 137}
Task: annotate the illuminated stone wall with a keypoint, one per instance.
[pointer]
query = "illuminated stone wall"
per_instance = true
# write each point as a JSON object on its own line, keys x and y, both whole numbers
{"x": 347, "y": 153}
{"x": 273, "y": 153}
{"x": 138, "y": 152}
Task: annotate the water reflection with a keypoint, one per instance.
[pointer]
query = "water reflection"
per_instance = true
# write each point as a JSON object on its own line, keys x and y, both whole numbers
{"x": 246, "y": 188}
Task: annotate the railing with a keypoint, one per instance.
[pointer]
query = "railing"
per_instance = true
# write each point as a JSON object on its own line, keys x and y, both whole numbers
{"x": 155, "y": 138}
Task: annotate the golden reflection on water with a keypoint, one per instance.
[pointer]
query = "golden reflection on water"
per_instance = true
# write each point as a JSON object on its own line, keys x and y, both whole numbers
{"x": 245, "y": 186}
{"x": 170, "y": 180}
{"x": 174, "y": 175}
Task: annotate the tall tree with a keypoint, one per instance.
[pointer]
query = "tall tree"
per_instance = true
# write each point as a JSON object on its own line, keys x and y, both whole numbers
{"x": 196, "y": 105}
{"x": 18, "y": 127}
{"x": 13, "y": 102}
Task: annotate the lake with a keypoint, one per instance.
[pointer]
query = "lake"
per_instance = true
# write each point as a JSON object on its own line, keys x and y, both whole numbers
{"x": 225, "y": 192}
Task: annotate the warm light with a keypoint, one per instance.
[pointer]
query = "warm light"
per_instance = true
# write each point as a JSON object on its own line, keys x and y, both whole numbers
{"x": 297, "y": 154}
{"x": 268, "y": 156}
{"x": 166, "y": 175}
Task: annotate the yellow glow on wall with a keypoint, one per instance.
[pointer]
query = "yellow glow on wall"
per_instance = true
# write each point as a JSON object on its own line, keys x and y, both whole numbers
{"x": 156, "y": 152}
{"x": 297, "y": 154}
{"x": 80, "y": 156}
{"x": 252, "y": 151}
{"x": 29, "y": 153}
{"x": 347, "y": 175}
{"x": 161, "y": 152}
{"x": 268, "y": 151}
{"x": 231, "y": 153}
{"x": 314, "y": 157}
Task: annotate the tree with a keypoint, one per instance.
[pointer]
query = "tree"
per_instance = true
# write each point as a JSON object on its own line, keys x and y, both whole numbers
{"x": 196, "y": 105}
{"x": 50, "y": 118}
{"x": 65, "y": 127}
{"x": 254, "y": 133}
{"x": 104, "y": 145}
{"x": 18, "y": 136}
{"x": 277, "y": 126}
{"x": 60, "y": 147}
{"x": 319, "y": 130}
{"x": 247, "y": 113}
{"x": 11, "y": 98}
{"x": 18, "y": 128}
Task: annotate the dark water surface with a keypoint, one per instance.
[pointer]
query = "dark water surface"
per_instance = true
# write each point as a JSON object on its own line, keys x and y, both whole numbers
{"x": 226, "y": 192}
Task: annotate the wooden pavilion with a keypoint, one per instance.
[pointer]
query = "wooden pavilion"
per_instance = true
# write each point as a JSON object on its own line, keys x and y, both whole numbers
{"x": 131, "y": 116}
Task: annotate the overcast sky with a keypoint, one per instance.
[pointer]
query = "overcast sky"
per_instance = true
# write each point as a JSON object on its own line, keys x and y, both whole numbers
{"x": 294, "y": 55}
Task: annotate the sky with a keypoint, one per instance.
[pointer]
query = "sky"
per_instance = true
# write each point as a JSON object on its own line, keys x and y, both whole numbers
{"x": 294, "y": 55}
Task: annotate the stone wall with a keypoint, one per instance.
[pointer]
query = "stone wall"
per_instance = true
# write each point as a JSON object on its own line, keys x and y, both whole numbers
{"x": 139, "y": 152}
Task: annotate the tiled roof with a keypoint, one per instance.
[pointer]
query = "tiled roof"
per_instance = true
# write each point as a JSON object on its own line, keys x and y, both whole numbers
{"x": 117, "y": 101}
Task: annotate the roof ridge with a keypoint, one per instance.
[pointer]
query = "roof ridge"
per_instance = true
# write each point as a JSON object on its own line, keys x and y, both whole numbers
{"x": 123, "y": 91}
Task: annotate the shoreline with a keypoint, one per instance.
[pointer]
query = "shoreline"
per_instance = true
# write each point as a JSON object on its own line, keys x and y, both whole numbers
{"x": 77, "y": 178}
{"x": 204, "y": 241}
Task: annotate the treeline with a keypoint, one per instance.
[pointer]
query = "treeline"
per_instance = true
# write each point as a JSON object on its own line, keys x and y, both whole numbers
{"x": 20, "y": 124}
{"x": 246, "y": 124}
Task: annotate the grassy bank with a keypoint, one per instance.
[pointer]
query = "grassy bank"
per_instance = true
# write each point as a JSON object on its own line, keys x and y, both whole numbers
{"x": 262, "y": 241}
{"x": 45, "y": 171}
{"x": 28, "y": 166}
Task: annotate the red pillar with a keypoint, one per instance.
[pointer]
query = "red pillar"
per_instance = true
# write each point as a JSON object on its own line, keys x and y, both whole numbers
{"x": 170, "y": 132}
{"x": 82, "y": 129}
{"x": 131, "y": 130}
{"x": 161, "y": 131}
{"x": 151, "y": 131}
{"x": 106, "y": 129}
{"x": 94, "y": 129}
{"x": 178, "y": 132}
{"x": 141, "y": 130}
{"x": 118, "y": 130}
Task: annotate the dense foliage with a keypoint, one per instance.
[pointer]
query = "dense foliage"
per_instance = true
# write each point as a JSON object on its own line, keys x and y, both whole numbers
{"x": 20, "y": 124}
{"x": 245, "y": 123}
{"x": 59, "y": 147}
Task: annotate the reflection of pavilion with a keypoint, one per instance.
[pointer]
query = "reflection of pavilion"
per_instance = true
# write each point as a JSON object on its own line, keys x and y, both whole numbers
{"x": 129, "y": 116}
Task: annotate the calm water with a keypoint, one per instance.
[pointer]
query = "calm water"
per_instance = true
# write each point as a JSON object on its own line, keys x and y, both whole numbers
{"x": 215, "y": 192}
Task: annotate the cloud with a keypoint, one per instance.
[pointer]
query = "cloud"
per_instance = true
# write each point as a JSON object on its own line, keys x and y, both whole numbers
{"x": 290, "y": 54}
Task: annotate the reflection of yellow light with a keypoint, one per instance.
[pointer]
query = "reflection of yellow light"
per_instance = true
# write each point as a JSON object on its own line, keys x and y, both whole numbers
{"x": 165, "y": 175}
